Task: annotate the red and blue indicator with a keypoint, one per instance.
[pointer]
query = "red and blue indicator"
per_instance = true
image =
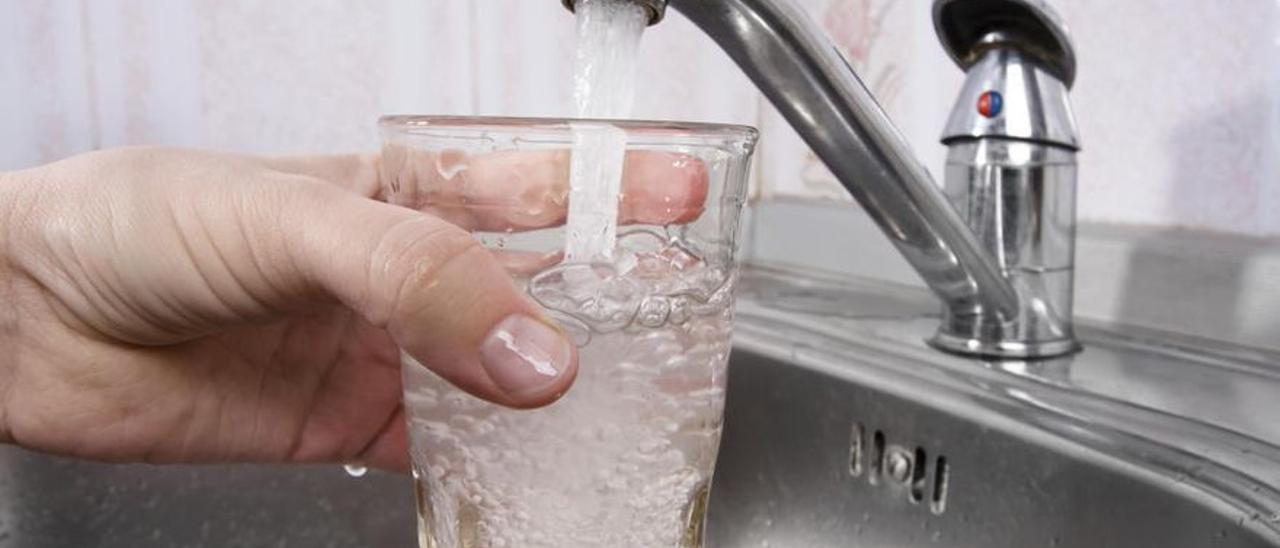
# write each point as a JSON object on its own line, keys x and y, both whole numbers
{"x": 990, "y": 104}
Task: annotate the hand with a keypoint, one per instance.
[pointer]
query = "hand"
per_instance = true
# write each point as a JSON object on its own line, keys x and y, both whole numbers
{"x": 166, "y": 305}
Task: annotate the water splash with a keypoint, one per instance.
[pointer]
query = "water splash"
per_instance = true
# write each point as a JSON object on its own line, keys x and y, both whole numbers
{"x": 652, "y": 282}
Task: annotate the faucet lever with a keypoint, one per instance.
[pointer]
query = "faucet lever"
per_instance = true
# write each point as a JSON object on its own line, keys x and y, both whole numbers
{"x": 969, "y": 28}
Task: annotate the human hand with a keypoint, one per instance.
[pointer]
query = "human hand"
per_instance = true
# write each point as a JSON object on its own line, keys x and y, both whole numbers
{"x": 167, "y": 305}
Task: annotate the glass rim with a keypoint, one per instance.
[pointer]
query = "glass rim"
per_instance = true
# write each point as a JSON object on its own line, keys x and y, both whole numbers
{"x": 401, "y": 123}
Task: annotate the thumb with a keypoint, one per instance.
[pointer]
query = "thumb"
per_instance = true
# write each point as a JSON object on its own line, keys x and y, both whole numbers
{"x": 441, "y": 295}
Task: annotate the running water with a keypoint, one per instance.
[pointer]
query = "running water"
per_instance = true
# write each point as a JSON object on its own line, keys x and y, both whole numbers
{"x": 604, "y": 79}
{"x": 603, "y": 88}
{"x": 624, "y": 460}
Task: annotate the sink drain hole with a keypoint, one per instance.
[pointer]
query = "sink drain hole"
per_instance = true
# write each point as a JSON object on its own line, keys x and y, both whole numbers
{"x": 941, "y": 474}
{"x": 918, "y": 477}
{"x": 877, "y": 457}
{"x": 856, "y": 448}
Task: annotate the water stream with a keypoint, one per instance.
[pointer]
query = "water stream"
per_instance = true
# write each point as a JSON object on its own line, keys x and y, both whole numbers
{"x": 603, "y": 88}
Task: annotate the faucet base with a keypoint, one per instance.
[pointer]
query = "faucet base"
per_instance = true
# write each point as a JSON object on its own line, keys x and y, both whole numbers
{"x": 1004, "y": 350}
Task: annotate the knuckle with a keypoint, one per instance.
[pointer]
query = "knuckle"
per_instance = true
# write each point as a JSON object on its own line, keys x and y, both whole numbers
{"x": 411, "y": 258}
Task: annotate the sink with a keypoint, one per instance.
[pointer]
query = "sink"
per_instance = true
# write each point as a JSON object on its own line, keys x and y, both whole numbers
{"x": 51, "y": 502}
{"x": 845, "y": 429}
{"x": 842, "y": 429}
{"x": 812, "y": 458}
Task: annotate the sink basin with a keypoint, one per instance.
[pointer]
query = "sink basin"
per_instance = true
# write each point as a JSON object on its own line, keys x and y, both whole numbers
{"x": 50, "y": 502}
{"x": 842, "y": 429}
{"x": 845, "y": 429}
{"x": 815, "y": 459}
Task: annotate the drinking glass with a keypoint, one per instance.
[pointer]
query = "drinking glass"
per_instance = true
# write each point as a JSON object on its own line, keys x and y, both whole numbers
{"x": 625, "y": 457}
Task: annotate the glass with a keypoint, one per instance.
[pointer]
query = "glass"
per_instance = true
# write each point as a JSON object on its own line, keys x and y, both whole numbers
{"x": 625, "y": 457}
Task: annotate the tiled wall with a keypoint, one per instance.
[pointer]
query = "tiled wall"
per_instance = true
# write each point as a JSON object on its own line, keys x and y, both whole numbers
{"x": 1178, "y": 100}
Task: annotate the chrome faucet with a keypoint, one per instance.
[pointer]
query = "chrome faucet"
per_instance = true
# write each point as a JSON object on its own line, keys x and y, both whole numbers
{"x": 998, "y": 245}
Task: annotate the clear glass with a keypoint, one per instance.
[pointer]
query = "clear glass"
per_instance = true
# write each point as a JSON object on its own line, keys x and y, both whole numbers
{"x": 626, "y": 457}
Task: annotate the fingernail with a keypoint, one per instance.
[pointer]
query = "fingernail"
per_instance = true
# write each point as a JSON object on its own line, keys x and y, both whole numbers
{"x": 524, "y": 356}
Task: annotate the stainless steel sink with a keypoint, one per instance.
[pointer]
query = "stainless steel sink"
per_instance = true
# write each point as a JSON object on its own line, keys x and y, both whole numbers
{"x": 812, "y": 458}
{"x": 843, "y": 429}
{"x": 48, "y": 502}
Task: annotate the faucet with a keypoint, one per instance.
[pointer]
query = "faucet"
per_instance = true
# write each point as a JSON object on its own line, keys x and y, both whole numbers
{"x": 997, "y": 243}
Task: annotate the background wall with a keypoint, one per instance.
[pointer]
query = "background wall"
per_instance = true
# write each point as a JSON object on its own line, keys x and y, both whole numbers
{"x": 1177, "y": 99}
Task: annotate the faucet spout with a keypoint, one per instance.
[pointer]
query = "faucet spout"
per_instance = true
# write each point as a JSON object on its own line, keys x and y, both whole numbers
{"x": 656, "y": 8}
{"x": 795, "y": 65}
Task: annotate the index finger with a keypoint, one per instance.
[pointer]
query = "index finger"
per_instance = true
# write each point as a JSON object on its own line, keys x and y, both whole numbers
{"x": 511, "y": 190}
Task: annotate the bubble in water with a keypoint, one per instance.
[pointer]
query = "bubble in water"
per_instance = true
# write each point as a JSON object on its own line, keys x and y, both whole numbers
{"x": 681, "y": 311}
{"x": 717, "y": 300}
{"x": 653, "y": 311}
{"x": 355, "y": 469}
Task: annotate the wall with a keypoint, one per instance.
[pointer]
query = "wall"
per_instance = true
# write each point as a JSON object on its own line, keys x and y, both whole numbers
{"x": 309, "y": 75}
{"x": 1177, "y": 100}
{"x": 1178, "y": 104}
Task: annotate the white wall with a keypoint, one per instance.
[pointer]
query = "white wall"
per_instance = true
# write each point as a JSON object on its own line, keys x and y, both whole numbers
{"x": 1178, "y": 103}
{"x": 1177, "y": 99}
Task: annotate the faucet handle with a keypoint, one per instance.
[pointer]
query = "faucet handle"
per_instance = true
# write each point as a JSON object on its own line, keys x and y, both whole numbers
{"x": 1019, "y": 63}
{"x": 970, "y": 28}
